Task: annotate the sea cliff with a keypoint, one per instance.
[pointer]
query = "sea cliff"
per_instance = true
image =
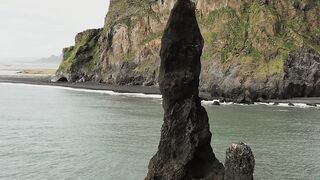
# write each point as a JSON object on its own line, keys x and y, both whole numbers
{"x": 253, "y": 49}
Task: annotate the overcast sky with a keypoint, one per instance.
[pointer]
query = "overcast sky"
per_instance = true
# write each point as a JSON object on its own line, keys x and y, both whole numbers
{"x": 40, "y": 28}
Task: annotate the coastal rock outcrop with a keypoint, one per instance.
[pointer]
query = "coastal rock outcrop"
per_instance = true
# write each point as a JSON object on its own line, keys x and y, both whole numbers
{"x": 301, "y": 74}
{"x": 248, "y": 44}
{"x": 184, "y": 152}
{"x": 79, "y": 61}
{"x": 239, "y": 163}
{"x": 60, "y": 78}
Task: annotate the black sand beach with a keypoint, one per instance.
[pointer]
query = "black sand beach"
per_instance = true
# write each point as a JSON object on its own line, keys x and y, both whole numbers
{"x": 45, "y": 80}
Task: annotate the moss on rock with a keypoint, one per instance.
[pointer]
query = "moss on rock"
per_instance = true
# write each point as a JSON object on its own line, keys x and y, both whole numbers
{"x": 81, "y": 58}
{"x": 247, "y": 42}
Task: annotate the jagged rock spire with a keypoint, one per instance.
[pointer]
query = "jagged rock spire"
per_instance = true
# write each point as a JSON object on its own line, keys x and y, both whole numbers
{"x": 184, "y": 152}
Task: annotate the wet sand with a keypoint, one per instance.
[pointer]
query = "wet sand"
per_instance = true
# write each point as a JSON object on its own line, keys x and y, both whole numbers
{"x": 45, "y": 80}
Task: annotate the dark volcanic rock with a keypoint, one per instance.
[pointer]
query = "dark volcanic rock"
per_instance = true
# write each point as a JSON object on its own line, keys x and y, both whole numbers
{"x": 312, "y": 104}
{"x": 300, "y": 78}
{"x": 216, "y": 103}
{"x": 301, "y": 74}
{"x": 184, "y": 152}
{"x": 59, "y": 78}
{"x": 290, "y": 104}
{"x": 240, "y": 162}
{"x": 240, "y": 63}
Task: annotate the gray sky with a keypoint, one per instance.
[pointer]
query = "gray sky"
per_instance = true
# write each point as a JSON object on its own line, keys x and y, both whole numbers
{"x": 40, "y": 28}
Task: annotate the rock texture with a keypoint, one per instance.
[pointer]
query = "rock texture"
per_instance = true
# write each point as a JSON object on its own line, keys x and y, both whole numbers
{"x": 239, "y": 163}
{"x": 248, "y": 44}
{"x": 184, "y": 152}
{"x": 301, "y": 74}
{"x": 79, "y": 60}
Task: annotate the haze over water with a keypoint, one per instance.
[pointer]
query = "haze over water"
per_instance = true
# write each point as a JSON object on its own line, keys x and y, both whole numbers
{"x": 54, "y": 133}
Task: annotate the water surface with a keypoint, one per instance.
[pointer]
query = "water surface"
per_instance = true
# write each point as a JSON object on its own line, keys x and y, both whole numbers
{"x": 54, "y": 133}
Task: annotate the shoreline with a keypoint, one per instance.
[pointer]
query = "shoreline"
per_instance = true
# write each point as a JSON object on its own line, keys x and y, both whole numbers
{"x": 45, "y": 80}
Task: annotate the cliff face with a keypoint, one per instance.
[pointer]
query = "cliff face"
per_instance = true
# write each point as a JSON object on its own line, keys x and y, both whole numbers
{"x": 249, "y": 47}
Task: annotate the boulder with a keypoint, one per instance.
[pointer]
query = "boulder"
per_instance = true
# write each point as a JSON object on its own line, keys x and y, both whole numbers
{"x": 59, "y": 78}
{"x": 239, "y": 163}
{"x": 216, "y": 103}
{"x": 312, "y": 104}
{"x": 290, "y": 104}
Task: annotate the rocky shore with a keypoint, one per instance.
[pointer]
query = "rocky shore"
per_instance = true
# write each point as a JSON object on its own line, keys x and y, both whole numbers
{"x": 254, "y": 50}
{"x": 46, "y": 80}
{"x": 185, "y": 151}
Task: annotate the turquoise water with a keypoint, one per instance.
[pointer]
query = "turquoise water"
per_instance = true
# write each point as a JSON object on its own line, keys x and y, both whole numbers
{"x": 54, "y": 133}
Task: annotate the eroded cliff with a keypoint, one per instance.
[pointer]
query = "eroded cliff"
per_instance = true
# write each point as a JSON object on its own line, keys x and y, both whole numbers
{"x": 249, "y": 47}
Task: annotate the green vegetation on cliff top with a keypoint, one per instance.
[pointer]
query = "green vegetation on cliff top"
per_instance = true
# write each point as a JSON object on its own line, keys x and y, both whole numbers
{"x": 83, "y": 56}
{"x": 256, "y": 33}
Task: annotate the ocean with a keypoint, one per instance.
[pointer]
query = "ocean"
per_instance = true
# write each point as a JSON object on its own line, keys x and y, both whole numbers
{"x": 64, "y": 133}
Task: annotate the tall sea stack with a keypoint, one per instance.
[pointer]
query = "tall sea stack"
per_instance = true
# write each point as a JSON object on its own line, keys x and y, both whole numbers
{"x": 184, "y": 152}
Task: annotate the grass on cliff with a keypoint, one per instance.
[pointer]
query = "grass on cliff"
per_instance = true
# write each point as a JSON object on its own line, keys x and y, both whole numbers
{"x": 151, "y": 37}
{"x": 227, "y": 33}
{"x": 69, "y": 55}
{"x": 251, "y": 36}
{"x": 129, "y": 12}
{"x": 82, "y": 55}
{"x": 247, "y": 34}
{"x": 122, "y": 57}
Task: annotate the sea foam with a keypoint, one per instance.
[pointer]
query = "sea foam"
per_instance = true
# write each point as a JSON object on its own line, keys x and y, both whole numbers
{"x": 106, "y": 92}
{"x": 157, "y": 96}
{"x": 271, "y": 104}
